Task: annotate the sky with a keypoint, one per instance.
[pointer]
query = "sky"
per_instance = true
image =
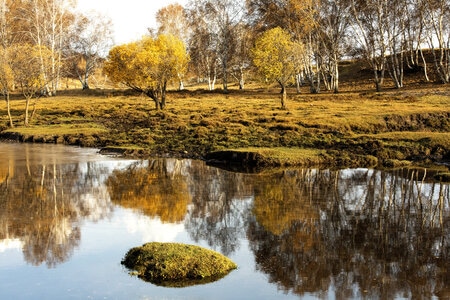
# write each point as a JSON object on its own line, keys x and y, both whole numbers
{"x": 131, "y": 18}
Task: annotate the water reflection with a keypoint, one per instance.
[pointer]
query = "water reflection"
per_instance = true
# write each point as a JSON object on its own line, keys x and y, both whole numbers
{"x": 206, "y": 199}
{"x": 220, "y": 209}
{"x": 153, "y": 188}
{"x": 345, "y": 233}
{"x": 43, "y": 199}
{"x": 364, "y": 232}
{"x": 367, "y": 233}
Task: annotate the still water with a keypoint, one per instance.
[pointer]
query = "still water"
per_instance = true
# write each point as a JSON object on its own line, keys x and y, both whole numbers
{"x": 68, "y": 216}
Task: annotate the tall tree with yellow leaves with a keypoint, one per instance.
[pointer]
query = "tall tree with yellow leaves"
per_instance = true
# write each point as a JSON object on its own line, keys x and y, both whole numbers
{"x": 148, "y": 65}
{"x": 274, "y": 55}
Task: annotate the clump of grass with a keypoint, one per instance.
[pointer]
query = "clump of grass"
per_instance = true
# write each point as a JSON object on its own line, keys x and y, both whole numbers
{"x": 282, "y": 156}
{"x": 175, "y": 264}
{"x": 396, "y": 163}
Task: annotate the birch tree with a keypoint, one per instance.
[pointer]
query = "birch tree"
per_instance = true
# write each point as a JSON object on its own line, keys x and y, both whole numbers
{"x": 172, "y": 20}
{"x": 90, "y": 42}
{"x": 221, "y": 18}
{"x": 202, "y": 49}
{"x": 300, "y": 19}
{"x": 48, "y": 21}
{"x": 27, "y": 71}
{"x": 241, "y": 61}
{"x": 396, "y": 27}
{"x": 437, "y": 12}
{"x": 6, "y": 80}
{"x": 369, "y": 20}
{"x": 415, "y": 36}
{"x": 6, "y": 39}
{"x": 332, "y": 32}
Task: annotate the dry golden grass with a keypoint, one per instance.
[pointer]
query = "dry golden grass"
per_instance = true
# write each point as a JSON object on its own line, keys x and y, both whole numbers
{"x": 394, "y": 124}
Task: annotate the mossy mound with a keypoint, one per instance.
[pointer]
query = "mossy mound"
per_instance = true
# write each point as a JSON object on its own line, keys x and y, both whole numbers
{"x": 177, "y": 265}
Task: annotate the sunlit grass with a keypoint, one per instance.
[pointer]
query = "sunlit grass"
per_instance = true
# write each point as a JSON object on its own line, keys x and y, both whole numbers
{"x": 288, "y": 156}
{"x": 197, "y": 122}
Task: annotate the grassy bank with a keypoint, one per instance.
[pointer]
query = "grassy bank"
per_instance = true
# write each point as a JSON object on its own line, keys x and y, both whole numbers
{"x": 352, "y": 128}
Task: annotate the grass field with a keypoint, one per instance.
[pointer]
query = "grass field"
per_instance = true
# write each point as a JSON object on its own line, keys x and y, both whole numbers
{"x": 357, "y": 127}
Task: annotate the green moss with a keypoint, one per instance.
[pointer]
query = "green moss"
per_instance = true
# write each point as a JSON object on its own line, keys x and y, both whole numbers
{"x": 174, "y": 264}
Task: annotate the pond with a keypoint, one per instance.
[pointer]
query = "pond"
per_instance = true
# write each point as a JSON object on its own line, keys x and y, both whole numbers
{"x": 69, "y": 215}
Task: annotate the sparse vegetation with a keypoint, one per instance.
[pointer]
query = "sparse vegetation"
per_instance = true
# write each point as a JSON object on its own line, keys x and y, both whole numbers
{"x": 177, "y": 265}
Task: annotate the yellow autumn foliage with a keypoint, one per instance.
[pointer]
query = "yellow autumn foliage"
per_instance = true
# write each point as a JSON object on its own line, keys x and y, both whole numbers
{"x": 275, "y": 56}
{"x": 272, "y": 55}
{"x": 148, "y": 65}
{"x": 153, "y": 195}
{"x": 6, "y": 73}
{"x": 280, "y": 204}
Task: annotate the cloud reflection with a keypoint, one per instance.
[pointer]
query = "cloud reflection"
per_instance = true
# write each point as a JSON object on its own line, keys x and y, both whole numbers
{"x": 8, "y": 244}
{"x": 151, "y": 228}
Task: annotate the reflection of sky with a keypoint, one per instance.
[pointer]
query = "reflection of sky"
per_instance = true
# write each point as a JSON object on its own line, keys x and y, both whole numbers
{"x": 10, "y": 244}
{"x": 94, "y": 271}
{"x": 127, "y": 229}
{"x": 150, "y": 229}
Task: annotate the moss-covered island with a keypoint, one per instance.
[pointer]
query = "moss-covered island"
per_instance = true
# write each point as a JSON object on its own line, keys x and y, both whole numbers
{"x": 177, "y": 265}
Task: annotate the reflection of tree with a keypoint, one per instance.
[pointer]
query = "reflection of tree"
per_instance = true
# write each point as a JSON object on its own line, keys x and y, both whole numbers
{"x": 366, "y": 232}
{"x": 208, "y": 199}
{"x": 219, "y": 211}
{"x": 38, "y": 215}
{"x": 156, "y": 190}
{"x": 40, "y": 204}
{"x": 358, "y": 233}
{"x": 6, "y": 170}
{"x": 279, "y": 202}
{"x": 91, "y": 196}
{"x": 288, "y": 219}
